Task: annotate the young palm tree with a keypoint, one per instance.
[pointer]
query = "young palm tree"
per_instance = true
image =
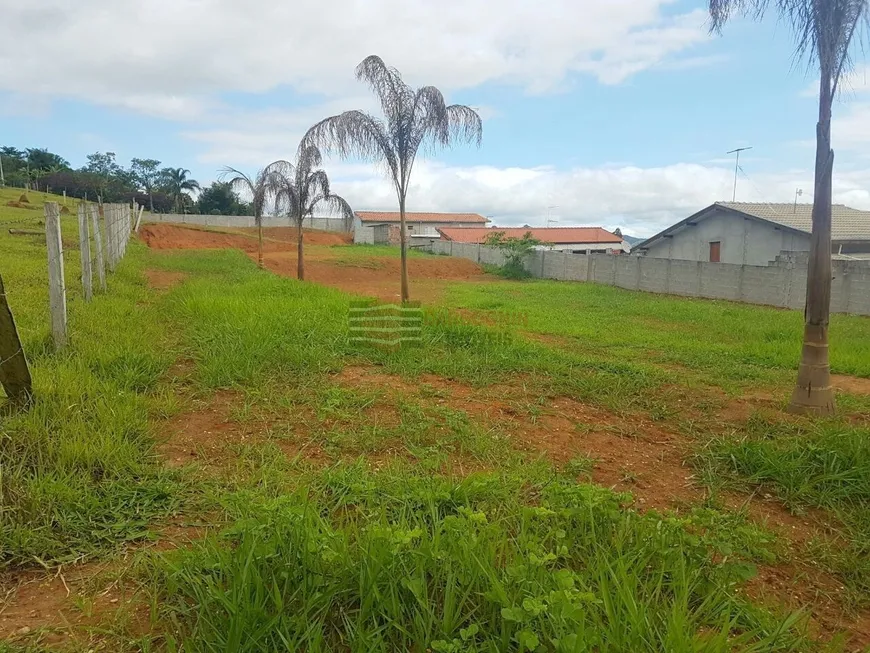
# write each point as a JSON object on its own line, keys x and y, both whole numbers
{"x": 178, "y": 184}
{"x": 299, "y": 188}
{"x": 259, "y": 188}
{"x": 412, "y": 118}
{"x": 825, "y": 31}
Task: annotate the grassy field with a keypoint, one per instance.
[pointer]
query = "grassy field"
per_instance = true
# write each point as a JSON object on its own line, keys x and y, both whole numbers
{"x": 212, "y": 447}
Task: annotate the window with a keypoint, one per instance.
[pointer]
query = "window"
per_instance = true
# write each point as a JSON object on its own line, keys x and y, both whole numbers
{"x": 715, "y": 251}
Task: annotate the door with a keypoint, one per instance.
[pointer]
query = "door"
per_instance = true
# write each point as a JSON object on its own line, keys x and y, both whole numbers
{"x": 715, "y": 251}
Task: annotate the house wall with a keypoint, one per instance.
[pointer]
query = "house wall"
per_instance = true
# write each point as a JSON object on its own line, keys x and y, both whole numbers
{"x": 782, "y": 283}
{"x": 363, "y": 232}
{"x": 744, "y": 241}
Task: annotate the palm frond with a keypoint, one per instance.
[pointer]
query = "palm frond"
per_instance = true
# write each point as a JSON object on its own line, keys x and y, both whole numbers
{"x": 355, "y": 133}
{"x": 394, "y": 95}
{"x": 334, "y": 203}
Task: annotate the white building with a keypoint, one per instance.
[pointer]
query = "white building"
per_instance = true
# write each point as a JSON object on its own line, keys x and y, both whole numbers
{"x": 418, "y": 224}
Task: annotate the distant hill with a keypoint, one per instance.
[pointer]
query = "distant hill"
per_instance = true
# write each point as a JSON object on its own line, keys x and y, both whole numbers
{"x": 632, "y": 240}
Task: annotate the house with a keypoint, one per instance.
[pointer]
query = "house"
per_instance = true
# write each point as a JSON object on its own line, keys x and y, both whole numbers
{"x": 385, "y": 224}
{"x": 574, "y": 239}
{"x": 755, "y": 234}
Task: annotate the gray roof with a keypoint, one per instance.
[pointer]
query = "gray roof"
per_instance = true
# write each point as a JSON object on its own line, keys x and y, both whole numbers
{"x": 846, "y": 223}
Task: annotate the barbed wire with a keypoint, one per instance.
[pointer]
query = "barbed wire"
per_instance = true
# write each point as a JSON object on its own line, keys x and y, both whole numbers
{"x": 6, "y": 360}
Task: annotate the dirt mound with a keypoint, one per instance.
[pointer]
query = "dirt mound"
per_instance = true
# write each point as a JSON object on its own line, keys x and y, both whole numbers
{"x": 64, "y": 210}
{"x": 24, "y": 199}
{"x": 20, "y": 205}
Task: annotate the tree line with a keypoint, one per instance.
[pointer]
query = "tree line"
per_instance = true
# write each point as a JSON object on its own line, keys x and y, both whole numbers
{"x": 161, "y": 189}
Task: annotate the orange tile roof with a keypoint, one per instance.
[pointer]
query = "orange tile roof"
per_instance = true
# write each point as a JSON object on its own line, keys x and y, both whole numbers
{"x": 393, "y": 216}
{"x": 554, "y": 236}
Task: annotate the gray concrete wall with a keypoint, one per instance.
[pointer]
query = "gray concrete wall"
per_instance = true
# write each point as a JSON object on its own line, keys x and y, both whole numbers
{"x": 315, "y": 222}
{"x": 782, "y": 284}
{"x": 743, "y": 241}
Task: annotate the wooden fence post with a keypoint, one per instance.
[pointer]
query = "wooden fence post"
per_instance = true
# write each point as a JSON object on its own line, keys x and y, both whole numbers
{"x": 111, "y": 236}
{"x": 98, "y": 244}
{"x": 139, "y": 218}
{"x": 14, "y": 373}
{"x": 56, "y": 285}
{"x": 85, "y": 251}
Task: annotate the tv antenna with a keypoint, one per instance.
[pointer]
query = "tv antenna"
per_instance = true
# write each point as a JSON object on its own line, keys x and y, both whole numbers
{"x": 736, "y": 168}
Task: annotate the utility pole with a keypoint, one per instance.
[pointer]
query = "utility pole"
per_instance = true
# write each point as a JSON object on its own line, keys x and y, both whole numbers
{"x": 736, "y": 168}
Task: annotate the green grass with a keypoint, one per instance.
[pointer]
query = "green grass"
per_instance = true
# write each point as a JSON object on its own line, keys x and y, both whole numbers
{"x": 736, "y": 343}
{"x": 516, "y": 561}
{"x": 380, "y": 544}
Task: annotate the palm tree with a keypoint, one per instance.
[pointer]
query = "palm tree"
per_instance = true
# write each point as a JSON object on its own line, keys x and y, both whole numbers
{"x": 260, "y": 189}
{"x": 411, "y": 118}
{"x": 825, "y": 31}
{"x": 299, "y": 188}
{"x": 177, "y": 184}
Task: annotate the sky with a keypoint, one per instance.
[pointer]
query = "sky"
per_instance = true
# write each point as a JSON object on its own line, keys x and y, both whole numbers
{"x": 613, "y": 114}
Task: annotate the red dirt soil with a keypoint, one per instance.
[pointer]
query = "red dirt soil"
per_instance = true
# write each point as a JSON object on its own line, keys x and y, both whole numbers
{"x": 375, "y": 276}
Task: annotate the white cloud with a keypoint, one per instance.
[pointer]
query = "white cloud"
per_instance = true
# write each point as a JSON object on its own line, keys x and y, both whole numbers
{"x": 168, "y": 57}
{"x": 642, "y": 201}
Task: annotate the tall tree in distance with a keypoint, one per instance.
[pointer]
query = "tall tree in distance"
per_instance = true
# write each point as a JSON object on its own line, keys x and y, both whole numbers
{"x": 259, "y": 189}
{"x": 146, "y": 172}
{"x": 177, "y": 183}
{"x": 825, "y": 31}
{"x": 299, "y": 188}
{"x": 412, "y": 118}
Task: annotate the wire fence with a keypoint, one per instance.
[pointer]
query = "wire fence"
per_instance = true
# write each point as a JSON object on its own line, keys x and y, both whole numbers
{"x": 104, "y": 231}
{"x": 103, "y": 234}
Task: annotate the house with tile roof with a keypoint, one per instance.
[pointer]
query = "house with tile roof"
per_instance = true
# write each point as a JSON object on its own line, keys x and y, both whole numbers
{"x": 745, "y": 233}
{"x": 573, "y": 239}
{"x": 382, "y": 226}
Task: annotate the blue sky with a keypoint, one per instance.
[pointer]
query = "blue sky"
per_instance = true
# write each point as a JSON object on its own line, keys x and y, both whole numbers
{"x": 618, "y": 113}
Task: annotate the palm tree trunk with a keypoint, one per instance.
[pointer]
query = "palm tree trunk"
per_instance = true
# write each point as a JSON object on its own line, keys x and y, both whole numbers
{"x": 300, "y": 263}
{"x": 813, "y": 393}
{"x": 259, "y": 221}
{"x": 403, "y": 249}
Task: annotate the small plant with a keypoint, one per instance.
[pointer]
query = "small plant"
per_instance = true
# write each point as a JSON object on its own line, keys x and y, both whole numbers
{"x": 515, "y": 251}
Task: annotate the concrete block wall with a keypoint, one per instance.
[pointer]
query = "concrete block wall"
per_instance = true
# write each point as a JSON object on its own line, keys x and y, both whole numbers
{"x": 783, "y": 284}
{"x": 315, "y": 222}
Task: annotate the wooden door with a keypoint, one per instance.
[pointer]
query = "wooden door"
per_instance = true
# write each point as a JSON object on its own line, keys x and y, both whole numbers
{"x": 715, "y": 251}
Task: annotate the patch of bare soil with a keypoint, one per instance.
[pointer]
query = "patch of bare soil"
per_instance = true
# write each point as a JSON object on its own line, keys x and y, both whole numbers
{"x": 855, "y": 385}
{"x": 163, "y": 279}
{"x": 70, "y": 604}
{"x": 631, "y": 454}
{"x": 204, "y": 433}
{"x": 802, "y": 587}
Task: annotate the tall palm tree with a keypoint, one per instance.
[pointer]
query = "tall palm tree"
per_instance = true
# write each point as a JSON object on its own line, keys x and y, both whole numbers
{"x": 260, "y": 188}
{"x": 825, "y": 31}
{"x": 301, "y": 187}
{"x": 178, "y": 184}
{"x": 412, "y": 117}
